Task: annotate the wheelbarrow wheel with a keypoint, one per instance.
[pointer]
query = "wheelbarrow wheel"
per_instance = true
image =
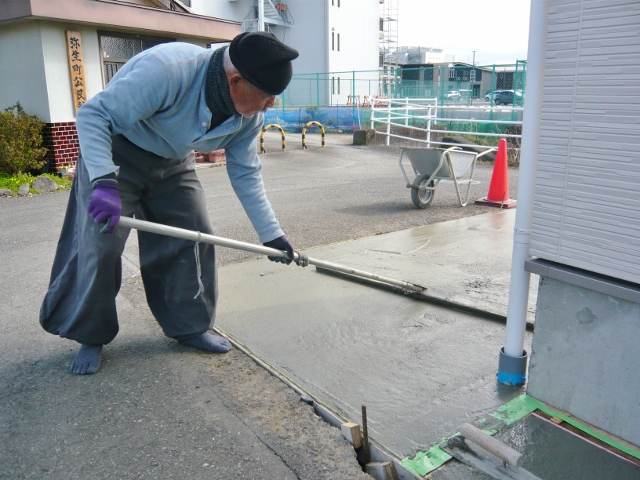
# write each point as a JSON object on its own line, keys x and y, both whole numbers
{"x": 420, "y": 197}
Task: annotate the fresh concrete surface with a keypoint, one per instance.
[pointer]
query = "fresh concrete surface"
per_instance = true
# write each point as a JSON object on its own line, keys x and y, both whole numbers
{"x": 465, "y": 262}
{"x": 421, "y": 369}
{"x": 552, "y": 452}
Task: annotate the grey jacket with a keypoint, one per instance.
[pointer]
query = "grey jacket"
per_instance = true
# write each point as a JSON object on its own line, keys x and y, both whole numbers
{"x": 157, "y": 100}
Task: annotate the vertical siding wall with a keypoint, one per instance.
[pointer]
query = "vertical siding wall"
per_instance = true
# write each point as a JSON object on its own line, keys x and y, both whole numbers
{"x": 587, "y": 201}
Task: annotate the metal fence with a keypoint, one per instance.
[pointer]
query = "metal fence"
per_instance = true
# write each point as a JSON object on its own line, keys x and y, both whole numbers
{"x": 449, "y": 84}
{"x": 425, "y": 122}
{"x": 426, "y": 105}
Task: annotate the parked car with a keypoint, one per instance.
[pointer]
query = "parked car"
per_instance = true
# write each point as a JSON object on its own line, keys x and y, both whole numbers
{"x": 503, "y": 98}
{"x": 490, "y": 95}
{"x": 506, "y": 97}
{"x": 452, "y": 95}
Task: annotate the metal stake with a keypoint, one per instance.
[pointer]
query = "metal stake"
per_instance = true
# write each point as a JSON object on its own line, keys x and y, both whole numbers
{"x": 366, "y": 453}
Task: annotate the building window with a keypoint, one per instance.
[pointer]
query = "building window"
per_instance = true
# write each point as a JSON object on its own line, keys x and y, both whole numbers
{"x": 117, "y": 49}
{"x": 338, "y": 42}
{"x": 338, "y": 85}
{"x": 333, "y": 85}
{"x": 333, "y": 41}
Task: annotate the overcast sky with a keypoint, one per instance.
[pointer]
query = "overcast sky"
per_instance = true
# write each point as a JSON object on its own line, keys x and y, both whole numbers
{"x": 498, "y": 30}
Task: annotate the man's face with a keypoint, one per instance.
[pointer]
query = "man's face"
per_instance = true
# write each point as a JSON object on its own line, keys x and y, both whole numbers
{"x": 247, "y": 98}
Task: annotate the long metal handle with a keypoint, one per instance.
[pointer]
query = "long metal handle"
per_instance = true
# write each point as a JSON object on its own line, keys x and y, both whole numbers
{"x": 160, "y": 229}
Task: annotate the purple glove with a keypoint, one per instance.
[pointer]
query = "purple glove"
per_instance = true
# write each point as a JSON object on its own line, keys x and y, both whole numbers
{"x": 105, "y": 204}
{"x": 281, "y": 243}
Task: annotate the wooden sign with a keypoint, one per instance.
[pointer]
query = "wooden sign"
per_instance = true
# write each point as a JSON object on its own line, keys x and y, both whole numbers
{"x": 76, "y": 68}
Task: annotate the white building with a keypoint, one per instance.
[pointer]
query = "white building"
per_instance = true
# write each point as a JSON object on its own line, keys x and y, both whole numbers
{"x": 57, "y": 54}
{"x": 334, "y": 37}
{"x": 420, "y": 55}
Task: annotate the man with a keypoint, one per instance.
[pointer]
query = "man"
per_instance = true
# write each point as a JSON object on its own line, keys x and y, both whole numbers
{"x": 137, "y": 141}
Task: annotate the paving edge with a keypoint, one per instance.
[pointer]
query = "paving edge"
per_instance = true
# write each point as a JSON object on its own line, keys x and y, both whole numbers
{"x": 378, "y": 452}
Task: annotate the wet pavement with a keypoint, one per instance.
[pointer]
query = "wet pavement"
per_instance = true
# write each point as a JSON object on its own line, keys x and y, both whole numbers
{"x": 421, "y": 369}
{"x": 558, "y": 453}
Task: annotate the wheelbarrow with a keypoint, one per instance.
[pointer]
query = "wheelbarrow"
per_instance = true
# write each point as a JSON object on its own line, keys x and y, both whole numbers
{"x": 432, "y": 165}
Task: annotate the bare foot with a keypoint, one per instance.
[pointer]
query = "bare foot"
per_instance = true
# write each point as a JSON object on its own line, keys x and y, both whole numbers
{"x": 87, "y": 360}
{"x": 209, "y": 342}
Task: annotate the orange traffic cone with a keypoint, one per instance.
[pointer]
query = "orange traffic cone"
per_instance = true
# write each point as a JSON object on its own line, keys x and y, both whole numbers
{"x": 498, "y": 195}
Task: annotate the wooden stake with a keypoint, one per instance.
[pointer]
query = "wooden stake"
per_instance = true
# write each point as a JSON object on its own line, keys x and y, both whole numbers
{"x": 351, "y": 431}
{"x": 382, "y": 470}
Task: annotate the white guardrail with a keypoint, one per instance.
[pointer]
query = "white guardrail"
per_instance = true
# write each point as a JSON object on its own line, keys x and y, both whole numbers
{"x": 407, "y": 113}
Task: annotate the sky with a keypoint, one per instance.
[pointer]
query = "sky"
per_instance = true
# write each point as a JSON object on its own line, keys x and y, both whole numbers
{"x": 498, "y": 30}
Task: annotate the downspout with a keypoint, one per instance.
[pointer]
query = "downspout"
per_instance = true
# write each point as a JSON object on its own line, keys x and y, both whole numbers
{"x": 327, "y": 49}
{"x": 512, "y": 369}
{"x": 261, "y": 15}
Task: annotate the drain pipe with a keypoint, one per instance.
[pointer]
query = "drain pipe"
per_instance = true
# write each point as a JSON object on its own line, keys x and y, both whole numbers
{"x": 512, "y": 368}
{"x": 261, "y": 16}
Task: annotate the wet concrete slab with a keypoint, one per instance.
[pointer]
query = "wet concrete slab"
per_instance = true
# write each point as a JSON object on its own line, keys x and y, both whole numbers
{"x": 465, "y": 262}
{"x": 550, "y": 451}
{"x": 421, "y": 369}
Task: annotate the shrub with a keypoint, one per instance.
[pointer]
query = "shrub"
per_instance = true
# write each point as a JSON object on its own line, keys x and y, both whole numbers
{"x": 20, "y": 141}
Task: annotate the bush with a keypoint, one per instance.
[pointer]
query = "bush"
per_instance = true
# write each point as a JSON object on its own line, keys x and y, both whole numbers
{"x": 20, "y": 141}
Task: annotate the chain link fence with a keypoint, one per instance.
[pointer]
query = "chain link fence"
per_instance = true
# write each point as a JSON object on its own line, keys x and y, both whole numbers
{"x": 449, "y": 84}
{"x": 467, "y": 104}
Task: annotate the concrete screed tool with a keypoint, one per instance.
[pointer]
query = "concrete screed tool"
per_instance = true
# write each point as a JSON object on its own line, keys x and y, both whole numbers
{"x": 298, "y": 258}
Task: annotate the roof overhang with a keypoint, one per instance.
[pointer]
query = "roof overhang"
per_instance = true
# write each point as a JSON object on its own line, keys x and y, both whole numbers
{"x": 121, "y": 15}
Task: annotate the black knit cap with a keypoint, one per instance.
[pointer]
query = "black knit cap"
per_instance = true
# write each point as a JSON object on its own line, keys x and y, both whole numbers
{"x": 263, "y": 60}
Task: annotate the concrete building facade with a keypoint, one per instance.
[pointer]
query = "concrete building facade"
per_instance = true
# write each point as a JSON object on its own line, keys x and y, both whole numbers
{"x": 334, "y": 37}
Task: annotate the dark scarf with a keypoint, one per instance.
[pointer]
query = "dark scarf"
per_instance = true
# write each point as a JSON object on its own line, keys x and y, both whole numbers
{"x": 216, "y": 90}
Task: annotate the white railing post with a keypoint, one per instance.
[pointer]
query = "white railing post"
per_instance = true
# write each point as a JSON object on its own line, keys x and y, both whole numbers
{"x": 388, "y": 122}
{"x": 406, "y": 112}
{"x": 429, "y": 113}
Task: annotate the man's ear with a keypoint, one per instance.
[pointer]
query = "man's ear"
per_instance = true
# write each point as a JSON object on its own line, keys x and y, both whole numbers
{"x": 234, "y": 80}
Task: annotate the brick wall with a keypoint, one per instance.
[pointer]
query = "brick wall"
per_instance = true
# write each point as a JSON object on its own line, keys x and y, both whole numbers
{"x": 61, "y": 141}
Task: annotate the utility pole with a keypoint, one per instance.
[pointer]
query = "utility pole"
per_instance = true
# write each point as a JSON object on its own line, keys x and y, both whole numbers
{"x": 474, "y": 58}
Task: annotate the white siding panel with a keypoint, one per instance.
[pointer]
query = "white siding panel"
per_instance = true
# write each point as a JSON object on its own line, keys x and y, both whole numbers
{"x": 587, "y": 200}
